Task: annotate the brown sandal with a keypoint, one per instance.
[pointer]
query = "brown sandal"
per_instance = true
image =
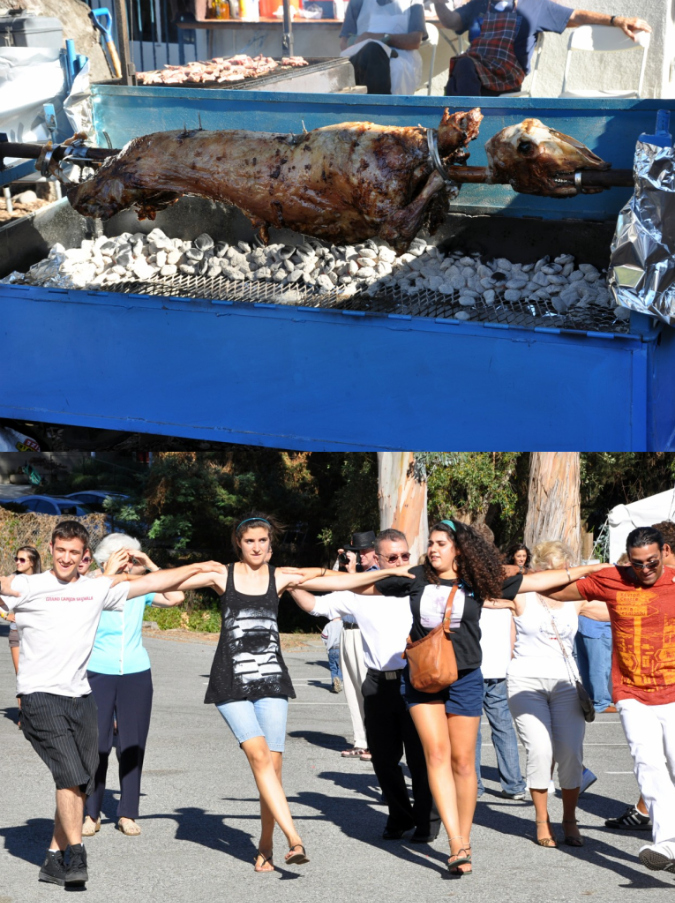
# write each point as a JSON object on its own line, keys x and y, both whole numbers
{"x": 296, "y": 858}
{"x": 550, "y": 841}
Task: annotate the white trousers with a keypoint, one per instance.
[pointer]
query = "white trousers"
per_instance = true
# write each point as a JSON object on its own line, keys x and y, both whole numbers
{"x": 353, "y": 674}
{"x": 550, "y": 725}
{"x": 650, "y": 731}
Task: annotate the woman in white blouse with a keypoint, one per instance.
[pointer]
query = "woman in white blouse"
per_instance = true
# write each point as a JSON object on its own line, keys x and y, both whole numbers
{"x": 542, "y": 696}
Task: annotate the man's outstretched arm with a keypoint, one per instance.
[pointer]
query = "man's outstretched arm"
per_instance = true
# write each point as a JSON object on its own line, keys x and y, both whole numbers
{"x": 629, "y": 25}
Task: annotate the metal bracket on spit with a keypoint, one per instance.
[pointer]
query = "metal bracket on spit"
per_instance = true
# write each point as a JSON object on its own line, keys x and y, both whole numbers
{"x": 578, "y": 180}
{"x": 435, "y": 157}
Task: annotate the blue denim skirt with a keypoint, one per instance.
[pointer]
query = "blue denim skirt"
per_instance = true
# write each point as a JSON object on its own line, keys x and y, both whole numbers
{"x": 464, "y": 697}
{"x": 263, "y": 718}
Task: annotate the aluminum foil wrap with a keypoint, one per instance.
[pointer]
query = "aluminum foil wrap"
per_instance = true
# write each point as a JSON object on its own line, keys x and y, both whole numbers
{"x": 641, "y": 273}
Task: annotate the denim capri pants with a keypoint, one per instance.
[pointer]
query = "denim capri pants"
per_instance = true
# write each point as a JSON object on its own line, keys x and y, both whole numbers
{"x": 264, "y": 717}
{"x": 464, "y": 697}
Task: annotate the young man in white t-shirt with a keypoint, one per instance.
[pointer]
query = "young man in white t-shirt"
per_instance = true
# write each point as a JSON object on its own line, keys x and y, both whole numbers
{"x": 57, "y": 613}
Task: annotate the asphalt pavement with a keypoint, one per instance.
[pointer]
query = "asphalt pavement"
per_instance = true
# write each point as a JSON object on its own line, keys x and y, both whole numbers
{"x": 199, "y": 813}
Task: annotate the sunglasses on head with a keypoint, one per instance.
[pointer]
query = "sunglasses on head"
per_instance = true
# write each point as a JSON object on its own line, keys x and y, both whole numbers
{"x": 390, "y": 559}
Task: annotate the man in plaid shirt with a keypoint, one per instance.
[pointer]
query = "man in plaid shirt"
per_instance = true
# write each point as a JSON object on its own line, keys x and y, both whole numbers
{"x": 499, "y": 58}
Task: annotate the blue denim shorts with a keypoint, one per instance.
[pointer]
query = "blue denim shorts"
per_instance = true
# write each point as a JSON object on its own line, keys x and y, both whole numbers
{"x": 464, "y": 697}
{"x": 263, "y": 718}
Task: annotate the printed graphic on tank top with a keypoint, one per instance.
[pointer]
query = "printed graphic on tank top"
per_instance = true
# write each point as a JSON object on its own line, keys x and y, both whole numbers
{"x": 248, "y": 663}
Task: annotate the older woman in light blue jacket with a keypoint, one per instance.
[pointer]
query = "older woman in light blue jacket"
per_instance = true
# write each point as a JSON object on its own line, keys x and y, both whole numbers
{"x": 121, "y": 681}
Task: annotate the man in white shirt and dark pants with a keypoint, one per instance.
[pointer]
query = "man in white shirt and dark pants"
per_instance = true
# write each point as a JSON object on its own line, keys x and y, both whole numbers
{"x": 385, "y": 624}
{"x": 57, "y": 613}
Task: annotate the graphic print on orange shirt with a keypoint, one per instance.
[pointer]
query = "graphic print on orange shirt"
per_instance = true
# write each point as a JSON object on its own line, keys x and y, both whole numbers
{"x": 643, "y": 633}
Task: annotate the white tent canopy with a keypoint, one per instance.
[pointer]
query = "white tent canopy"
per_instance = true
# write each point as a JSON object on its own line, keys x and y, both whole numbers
{"x": 643, "y": 513}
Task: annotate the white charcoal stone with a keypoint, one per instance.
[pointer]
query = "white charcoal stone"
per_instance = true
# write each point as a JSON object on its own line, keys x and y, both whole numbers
{"x": 512, "y": 294}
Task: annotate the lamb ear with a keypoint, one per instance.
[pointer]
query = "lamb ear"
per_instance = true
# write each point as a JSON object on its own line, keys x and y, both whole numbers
{"x": 591, "y": 158}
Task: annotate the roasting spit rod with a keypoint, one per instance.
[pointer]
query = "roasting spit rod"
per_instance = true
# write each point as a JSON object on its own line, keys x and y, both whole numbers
{"x": 82, "y": 155}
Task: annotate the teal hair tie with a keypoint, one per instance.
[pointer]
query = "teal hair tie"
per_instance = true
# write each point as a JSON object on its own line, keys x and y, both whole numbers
{"x": 247, "y": 519}
{"x": 450, "y": 524}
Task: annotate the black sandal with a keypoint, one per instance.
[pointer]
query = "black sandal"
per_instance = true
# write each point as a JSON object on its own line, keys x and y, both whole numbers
{"x": 265, "y": 860}
{"x": 298, "y": 858}
{"x": 456, "y": 859}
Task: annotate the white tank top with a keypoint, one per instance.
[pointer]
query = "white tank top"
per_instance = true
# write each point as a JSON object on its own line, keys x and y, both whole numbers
{"x": 537, "y": 651}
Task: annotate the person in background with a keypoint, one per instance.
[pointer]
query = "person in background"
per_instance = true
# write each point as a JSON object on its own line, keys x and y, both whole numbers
{"x": 26, "y": 561}
{"x": 385, "y": 623}
{"x": 330, "y": 635}
{"x": 520, "y": 556}
{"x": 120, "y": 679}
{"x": 542, "y": 694}
{"x": 496, "y": 642}
{"x": 499, "y": 57}
{"x": 361, "y": 556}
{"x": 381, "y": 39}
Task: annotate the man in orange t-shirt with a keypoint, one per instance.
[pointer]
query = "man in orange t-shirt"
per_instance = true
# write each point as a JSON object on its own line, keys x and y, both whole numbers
{"x": 641, "y": 603}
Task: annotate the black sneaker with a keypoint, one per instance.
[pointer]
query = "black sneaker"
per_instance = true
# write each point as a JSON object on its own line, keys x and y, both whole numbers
{"x": 631, "y": 820}
{"x": 53, "y": 870}
{"x": 76, "y": 870}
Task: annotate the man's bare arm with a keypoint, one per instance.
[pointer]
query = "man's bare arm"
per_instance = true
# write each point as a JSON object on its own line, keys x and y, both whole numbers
{"x": 171, "y": 579}
{"x": 629, "y": 25}
{"x": 449, "y": 18}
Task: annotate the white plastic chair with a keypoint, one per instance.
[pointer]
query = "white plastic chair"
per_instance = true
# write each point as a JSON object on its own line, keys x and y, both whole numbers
{"x": 538, "y": 47}
{"x": 431, "y": 42}
{"x": 605, "y": 38}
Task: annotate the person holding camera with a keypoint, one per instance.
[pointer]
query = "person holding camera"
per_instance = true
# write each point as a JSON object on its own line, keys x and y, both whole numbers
{"x": 358, "y": 557}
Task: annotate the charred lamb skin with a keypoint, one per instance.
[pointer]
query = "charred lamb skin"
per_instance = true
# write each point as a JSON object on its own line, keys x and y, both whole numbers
{"x": 343, "y": 183}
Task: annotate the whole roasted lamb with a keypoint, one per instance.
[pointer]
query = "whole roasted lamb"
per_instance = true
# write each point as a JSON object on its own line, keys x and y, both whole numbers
{"x": 343, "y": 183}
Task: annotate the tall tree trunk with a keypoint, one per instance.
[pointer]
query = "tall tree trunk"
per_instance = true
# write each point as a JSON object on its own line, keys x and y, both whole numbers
{"x": 403, "y": 500}
{"x": 554, "y": 500}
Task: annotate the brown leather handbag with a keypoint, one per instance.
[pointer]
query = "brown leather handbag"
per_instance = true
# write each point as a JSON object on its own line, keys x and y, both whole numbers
{"x": 431, "y": 660}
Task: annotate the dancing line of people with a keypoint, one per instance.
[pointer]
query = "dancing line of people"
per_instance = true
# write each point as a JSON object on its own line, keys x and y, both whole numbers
{"x": 84, "y": 675}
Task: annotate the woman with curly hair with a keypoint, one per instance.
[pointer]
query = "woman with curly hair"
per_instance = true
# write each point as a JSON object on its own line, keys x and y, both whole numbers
{"x": 519, "y": 555}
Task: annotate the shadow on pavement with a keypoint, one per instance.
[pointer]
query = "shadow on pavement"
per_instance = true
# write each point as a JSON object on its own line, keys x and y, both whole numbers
{"x": 198, "y": 826}
{"x": 11, "y": 713}
{"x": 318, "y": 738}
{"x": 29, "y": 841}
{"x": 497, "y": 817}
{"x": 358, "y": 820}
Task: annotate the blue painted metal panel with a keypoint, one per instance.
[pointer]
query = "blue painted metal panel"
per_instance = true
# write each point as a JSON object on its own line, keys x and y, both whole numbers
{"x": 609, "y": 127}
{"x": 280, "y": 376}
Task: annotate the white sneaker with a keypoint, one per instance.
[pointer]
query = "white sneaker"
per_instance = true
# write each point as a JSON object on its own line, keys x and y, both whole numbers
{"x": 658, "y": 856}
{"x": 587, "y": 778}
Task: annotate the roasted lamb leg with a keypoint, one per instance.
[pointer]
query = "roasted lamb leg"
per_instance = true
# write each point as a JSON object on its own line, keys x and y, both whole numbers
{"x": 343, "y": 183}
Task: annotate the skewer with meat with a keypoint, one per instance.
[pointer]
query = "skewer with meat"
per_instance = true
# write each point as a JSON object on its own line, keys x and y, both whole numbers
{"x": 344, "y": 183}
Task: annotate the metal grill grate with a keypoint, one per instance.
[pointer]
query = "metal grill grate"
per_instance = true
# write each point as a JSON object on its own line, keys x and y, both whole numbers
{"x": 390, "y": 300}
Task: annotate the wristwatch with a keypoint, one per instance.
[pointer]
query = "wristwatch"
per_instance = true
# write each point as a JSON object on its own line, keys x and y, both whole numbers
{"x": 386, "y": 39}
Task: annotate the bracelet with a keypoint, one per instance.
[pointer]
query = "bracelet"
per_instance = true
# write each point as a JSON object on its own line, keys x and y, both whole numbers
{"x": 611, "y": 21}
{"x": 569, "y": 576}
